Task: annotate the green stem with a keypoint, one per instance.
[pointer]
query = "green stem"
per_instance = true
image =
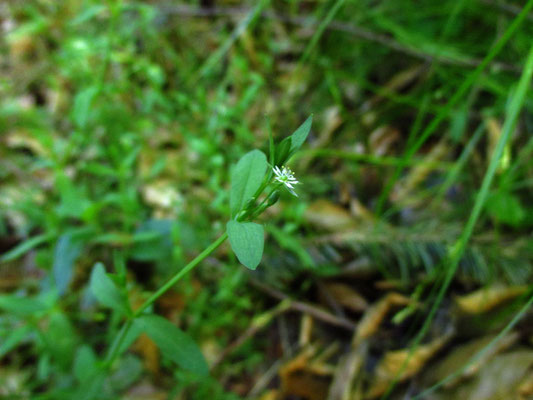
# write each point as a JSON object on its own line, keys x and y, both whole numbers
{"x": 180, "y": 274}
{"x": 258, "y": 210}
{"x": 117, "y": 343}
{"x": 114, "y": 351}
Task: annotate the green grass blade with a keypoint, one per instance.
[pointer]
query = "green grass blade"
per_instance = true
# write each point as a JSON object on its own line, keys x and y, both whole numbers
{"x": 481, "y": 353}
{"x": 457, "y": 250}
{"x": 215, "y": 58}
{"x": 461, "y": 91}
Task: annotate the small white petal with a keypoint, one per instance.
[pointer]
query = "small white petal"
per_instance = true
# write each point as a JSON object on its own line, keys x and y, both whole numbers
{"x": 293, "y": 192}
{"x": 286, "y": 177}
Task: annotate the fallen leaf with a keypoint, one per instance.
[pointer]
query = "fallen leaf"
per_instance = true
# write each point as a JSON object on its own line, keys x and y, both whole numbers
{"x": 324, "y": 214}
{"x": 347, "y": 296}
{"x": 402, "y": 364}
{"x": 499, "y": 379}
{"x": 373, "y": 317}
{"x": 461, "y": 354}
{"x": 299, "y": 378}
{"x": 486, "y": 299}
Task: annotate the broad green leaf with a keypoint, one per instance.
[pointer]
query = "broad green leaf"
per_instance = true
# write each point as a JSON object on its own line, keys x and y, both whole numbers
{"x": 246, "y": 178}
{"x": 299, "y": 136}
{"x": 61, "y": 339}
{"x": 247, "y": 241}
{"x": 106, "y": 291}
{"x": 173, "y": 343}
{"x": 85, "y": 364}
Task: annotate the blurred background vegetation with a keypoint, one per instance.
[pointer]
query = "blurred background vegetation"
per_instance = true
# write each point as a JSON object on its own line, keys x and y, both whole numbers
{"x": 119, "y": 122}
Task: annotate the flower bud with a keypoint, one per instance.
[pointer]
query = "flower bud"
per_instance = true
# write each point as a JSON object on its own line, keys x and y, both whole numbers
{"x": 249, "y": 204}
{"x": 273, "y": 198}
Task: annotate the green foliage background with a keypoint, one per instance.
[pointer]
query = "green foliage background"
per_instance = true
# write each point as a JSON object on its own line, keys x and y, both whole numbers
{"x": 120, "y": 120}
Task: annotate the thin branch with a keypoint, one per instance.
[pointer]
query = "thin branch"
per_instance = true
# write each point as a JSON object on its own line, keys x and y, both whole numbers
{"x": 310, "y": 309}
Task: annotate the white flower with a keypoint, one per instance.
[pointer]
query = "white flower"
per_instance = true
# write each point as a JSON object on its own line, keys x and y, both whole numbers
{"x": 286, "y": 177}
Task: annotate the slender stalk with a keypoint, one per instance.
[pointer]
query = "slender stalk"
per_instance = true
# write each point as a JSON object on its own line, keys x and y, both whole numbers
{"x": 117, "y": 343}
{"x": 259, "y": 209}
{"x": 115, "y": 349}
{"x": 180, "y": 274}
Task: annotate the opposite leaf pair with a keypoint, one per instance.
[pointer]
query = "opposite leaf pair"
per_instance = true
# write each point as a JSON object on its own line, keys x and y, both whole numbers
{"x": 248, "y": 181}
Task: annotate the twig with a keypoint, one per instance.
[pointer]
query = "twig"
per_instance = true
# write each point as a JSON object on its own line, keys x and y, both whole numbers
{"x": 314, "y": 311}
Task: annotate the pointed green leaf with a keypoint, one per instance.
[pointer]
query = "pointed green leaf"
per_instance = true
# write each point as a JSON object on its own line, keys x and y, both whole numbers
{"x": 173, "y": 343}
{"x": 25, "y": 246}
{"x": 12, "y": 339}
{"x": 85, "y": 364}
{"x": 66, "y": 252}
{"x": 82, "y": 105}
{"x": 27, "y": 305}
{"x": 247, "y": 241}
{"x": 106, "y": 291}
{"x": 282, "y": 151}
{"x": 60, "y": 338}
{"x": 246, "y": 179}
{"x": 299, "y": 136}
{"x": 271, "y": 146}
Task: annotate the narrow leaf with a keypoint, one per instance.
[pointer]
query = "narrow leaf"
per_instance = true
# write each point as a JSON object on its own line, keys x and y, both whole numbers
{"x": 23, "y": 306}
{"x": 173, "y": 343}
{"x": 246, "y": 178}
{"x": 271, "y": 146}
{"x": 25, "y": 247}
{"x": 283, "y": 151}
{"x": 82, "y": 105}
{"x": 13, "y": 338}
{"x": 106, "y": 291}
{"x": 66, "y": 252}
{"x": 299, "y": 136}
{"x": 247, "y": 241}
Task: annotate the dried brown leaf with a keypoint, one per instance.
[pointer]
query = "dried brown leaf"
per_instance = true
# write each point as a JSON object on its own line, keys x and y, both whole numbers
{"x": 324, "y": 214}
{"x": 402, "y": 364}
{"x": 347, "y": 296}
{"x": 486, "y": 299}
